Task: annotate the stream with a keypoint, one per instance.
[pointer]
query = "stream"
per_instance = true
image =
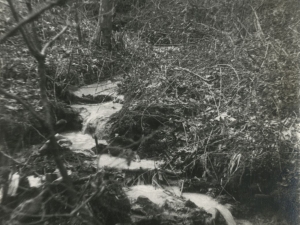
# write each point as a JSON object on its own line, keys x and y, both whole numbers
{"x": 95, "y": 118}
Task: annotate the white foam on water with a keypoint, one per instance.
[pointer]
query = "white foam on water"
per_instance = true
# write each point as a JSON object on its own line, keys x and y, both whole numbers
{"x": 34, "y": 181}
{"x": 81, "y": 141}
{"x": 97, "y": 115}
{"x": 208, "y": 203}
{"x": 103, "y": 88}
{"x": 106, "y": 160}
{"x": 156, "y": 195}
{"x": 159, "y": 196}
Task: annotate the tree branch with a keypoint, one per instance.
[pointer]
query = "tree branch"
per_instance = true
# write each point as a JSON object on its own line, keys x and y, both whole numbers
{"x": 11, "y": 158}
{"x": 52, "y": 40}
{"x": 28, "y": 19}
{"x": 47, "y": 122}
{"x": 26, "y": 105}
{"x": 23, "y": 30}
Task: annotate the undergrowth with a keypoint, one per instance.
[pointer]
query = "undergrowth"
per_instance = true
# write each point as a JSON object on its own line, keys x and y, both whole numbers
{"x": 220, "y": 79}
{"x": 224, "y": 78}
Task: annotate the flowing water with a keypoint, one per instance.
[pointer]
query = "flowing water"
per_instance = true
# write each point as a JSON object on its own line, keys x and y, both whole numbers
{"x": 103, "y": 88}
{"x": 96, "y": 116}
{"x": 159, "y": 196}
{"x": 206, "y": 202}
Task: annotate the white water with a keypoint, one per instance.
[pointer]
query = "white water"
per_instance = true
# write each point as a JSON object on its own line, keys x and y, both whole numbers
{"x": 94, "y": 115}
{"x": 105, "y": 88}
{"x": 120, "y": 163}
{"x": 205, "y": 202}
{"x": 208, "y": 203}
{"x": 159, "y": 197}
{"x": 81, "y": 141}
{"x": 97, "y": 116}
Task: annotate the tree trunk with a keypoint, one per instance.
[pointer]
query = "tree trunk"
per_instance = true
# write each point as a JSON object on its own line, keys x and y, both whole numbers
{"x": 77, "y": 21}
{"x": 107, "y": 11}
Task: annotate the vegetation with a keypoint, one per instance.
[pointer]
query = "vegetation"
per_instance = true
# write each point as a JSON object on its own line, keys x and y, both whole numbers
{"x": 217, "y": 82}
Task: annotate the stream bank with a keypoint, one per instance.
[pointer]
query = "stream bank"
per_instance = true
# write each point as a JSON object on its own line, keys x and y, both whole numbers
{"x": 137, "y": 190}
{"x": 148, "y": 195}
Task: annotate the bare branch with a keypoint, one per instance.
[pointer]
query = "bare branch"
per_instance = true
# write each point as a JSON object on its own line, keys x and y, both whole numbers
{"x": 74, "y": 211}
{"x": 11, "y": 158}
{"x": 26, "y": 105}
{"x": 28, "y": 19}
{"x": 23, "y": 30}
{"x": 52, "y": 40}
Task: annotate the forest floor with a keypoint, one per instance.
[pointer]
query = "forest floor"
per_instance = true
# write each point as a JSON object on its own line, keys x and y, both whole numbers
{"x": 216, "y": 98}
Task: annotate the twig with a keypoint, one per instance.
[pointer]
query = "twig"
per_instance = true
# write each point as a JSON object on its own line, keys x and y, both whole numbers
{"x": 86, "y": 201}
{"x": 258, "y": 26}
{"x": 53, "y": 39}
{"x": 212, "y": 166}
{"x": 266, "y": 53}
{"x": 191, "y": 72}
{"x": 181, "y": 188}
{"x": 39, "y": 133}
{"x": 186, "y": 137}
{"x": 237, "y": 75}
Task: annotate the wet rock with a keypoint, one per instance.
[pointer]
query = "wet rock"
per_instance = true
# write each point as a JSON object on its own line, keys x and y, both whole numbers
{"x": 113, "y": 203}
{"x": 86, "y": 153}
{"x": 98, "y": 98}
{"x": 60, "y": 125}
{"x": 216, "y": 218}
{"x": 119, "y": 99}
{"x": 143, "y": 206}
{"x": 144, "y": 211}
{"x": 99, "y": 148}
{"x": 62, "y": 141}
{"x": 68, "y": 118}
{"x": 190, "y": 204}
